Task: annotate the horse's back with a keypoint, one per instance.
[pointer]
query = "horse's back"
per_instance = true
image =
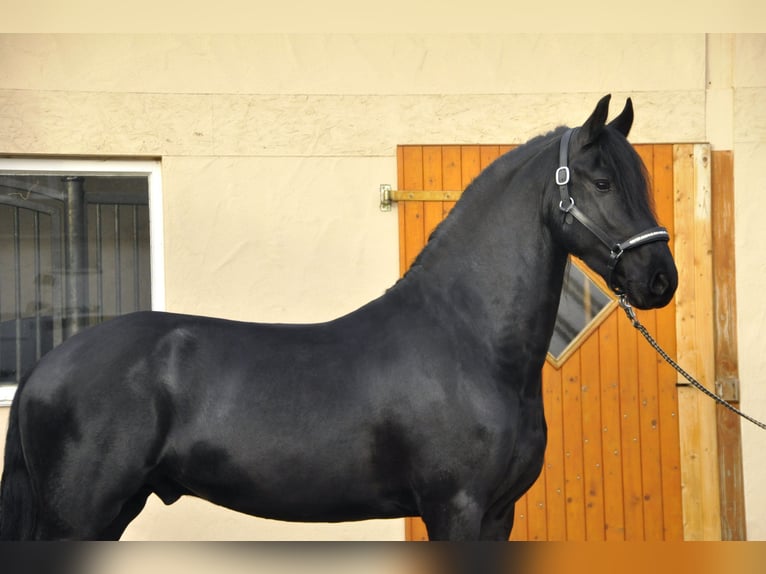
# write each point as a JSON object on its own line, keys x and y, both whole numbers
{"x": 185, "y": 369}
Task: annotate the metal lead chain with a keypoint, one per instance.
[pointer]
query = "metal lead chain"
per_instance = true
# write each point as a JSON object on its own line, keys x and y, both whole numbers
{"x": 637, "y": 324}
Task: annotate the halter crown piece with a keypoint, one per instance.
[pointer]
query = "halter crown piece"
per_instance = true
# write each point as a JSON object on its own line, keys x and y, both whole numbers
{"x": 567, "y": 205}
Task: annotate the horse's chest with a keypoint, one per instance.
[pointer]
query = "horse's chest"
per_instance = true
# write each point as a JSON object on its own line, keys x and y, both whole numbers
{"x": 501, "y": 445}
{"x": 528, "y": 452}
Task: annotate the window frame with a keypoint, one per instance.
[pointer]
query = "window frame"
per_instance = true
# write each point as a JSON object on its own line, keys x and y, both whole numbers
{"x": 151, "y": 169}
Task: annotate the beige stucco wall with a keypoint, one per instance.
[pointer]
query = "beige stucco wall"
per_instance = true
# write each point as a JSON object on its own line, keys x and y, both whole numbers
{"x": 749, "y": 136}
{"x": 273, "y": 148}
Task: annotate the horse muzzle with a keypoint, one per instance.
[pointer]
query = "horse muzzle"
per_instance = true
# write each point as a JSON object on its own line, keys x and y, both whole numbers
{"x": 647, "y": 277}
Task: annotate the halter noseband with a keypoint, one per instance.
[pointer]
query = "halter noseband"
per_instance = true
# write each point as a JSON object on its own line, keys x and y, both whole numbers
{"x": 567, "y": 205}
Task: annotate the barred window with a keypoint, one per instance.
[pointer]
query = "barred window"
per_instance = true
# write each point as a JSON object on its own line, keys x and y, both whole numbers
{"x": 75, "y": 250}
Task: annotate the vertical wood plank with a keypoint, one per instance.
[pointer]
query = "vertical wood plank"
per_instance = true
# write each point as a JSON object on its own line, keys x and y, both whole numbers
{"x": 537, "y": 522}
{"x": 614, "y": 512}
{"x": 554, "y": 455}
{"x": 630, "y": 431}
{"x": 703, "y": 312}
{"x": 488, "y": 154}
{"x": 651, "y": 470}
{"x": 573, "y": 447}
{"x": 593, "y": 479}
{"x": 470, "y": 156}
{"x": 519, "y": 533}
{"x": 704, "y": 315}
{"x": 727, "y": 372}
{"x": 452, "y": 173}
{"x": 400, "y": 207}
{"x": 664, "y": 198}
{"x": 722, "y": 214}
{"x": 646, "y": 153}
{"x": 433, "y": 213}
{"x": 662, "y": 188}
{"x": 649, "y": 415}
{"x": 691, "y": 463}
{"x": 699, "y": 465}
{"x": 415, "y": 239}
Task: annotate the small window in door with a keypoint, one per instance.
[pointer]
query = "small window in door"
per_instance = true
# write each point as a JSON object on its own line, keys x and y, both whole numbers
{"x": 583, "y": 305}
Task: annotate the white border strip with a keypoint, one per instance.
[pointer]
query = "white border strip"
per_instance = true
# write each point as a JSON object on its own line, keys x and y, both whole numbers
{"x": 156, "y": 238}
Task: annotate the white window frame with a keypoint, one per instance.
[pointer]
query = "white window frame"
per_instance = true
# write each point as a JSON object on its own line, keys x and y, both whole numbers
{"x": 118, "y": 167}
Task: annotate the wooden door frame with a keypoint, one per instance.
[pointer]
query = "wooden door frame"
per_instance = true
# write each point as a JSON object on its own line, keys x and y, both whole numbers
{"x": 711, "y": 448}
{"x": 695, "y": 342}
{"x": 733, "y": 524}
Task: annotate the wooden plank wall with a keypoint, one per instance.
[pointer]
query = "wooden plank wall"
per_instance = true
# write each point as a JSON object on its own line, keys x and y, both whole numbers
{"x": 613, "y": 464}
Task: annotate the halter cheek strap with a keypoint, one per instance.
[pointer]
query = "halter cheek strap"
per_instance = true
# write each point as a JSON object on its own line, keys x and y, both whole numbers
{"x": 570, "y": 210}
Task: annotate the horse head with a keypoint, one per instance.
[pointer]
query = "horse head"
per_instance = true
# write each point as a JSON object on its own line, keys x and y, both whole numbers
{"x": 601, "y": 211}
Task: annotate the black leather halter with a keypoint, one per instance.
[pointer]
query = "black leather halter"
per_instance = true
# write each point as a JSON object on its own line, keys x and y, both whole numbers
{"x": 567, "y": 205}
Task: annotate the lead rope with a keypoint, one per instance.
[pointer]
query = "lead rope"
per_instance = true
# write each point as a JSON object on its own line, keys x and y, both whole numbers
{"x": 636, "y": 323}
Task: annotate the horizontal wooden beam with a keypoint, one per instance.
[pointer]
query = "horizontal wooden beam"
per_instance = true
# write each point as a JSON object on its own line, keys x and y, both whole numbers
{"x": 388, "y": 196}
{"x": 425, "y": 195}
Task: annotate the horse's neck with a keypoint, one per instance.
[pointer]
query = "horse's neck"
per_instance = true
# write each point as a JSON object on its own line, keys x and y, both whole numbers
{"x": 496, "y": 269}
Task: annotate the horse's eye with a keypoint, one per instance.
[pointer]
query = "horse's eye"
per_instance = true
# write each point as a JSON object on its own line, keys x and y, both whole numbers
{"x": 602, "y": 184}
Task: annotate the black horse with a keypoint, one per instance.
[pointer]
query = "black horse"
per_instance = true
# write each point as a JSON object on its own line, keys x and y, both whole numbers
{"x": 424, "y": 402}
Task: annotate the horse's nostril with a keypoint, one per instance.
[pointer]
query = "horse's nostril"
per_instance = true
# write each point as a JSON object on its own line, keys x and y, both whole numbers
{"x": 659, "y": 284}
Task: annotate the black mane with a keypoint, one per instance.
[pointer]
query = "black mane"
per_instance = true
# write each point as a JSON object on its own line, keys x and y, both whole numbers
{"x": 616, "y": 151}
{"x": 501, "y": 169}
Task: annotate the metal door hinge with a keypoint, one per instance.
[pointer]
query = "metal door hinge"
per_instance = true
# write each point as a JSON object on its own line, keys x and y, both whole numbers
{"x": 385, "y": 197}
{"x": 728, "y": 388}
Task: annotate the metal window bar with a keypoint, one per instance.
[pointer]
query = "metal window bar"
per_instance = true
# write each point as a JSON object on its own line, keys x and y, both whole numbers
{"x": 38, "y": 289}
{"x": 17, "y": 288}
{"x": 117, "y": 261}
{"x": 99, "y": 264}
{"x": 136, "y": 261}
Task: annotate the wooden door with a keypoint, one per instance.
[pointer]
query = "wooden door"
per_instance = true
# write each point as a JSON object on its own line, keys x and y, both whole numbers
{"x": 612, "y": 467}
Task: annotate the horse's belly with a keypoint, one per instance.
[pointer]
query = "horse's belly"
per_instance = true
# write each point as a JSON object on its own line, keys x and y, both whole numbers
{"x": 307, "y": 486}
{"x": 307, "y": 502}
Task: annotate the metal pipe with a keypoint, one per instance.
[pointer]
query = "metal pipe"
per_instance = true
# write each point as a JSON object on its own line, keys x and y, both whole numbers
{"x": 76, "y": 256}
{"x": 117, "y": 262}
{"x": 136, "y": 265}
{"x": 17, "y": 289}
{"x": 58, "y": 271}
{"x": 99, "y": 264}
{"x": 38, "y": 288}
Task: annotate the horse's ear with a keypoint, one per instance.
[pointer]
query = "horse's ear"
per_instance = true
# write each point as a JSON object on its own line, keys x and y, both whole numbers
{"x": 623, "y": 122}
{"x": 593, "y": 126}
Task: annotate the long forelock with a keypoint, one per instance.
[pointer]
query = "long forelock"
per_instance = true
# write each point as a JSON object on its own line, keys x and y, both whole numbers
{"x": 631, "y": 176}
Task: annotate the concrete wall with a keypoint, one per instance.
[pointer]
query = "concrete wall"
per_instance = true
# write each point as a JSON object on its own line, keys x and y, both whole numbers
{"x": 273, "y": 147}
